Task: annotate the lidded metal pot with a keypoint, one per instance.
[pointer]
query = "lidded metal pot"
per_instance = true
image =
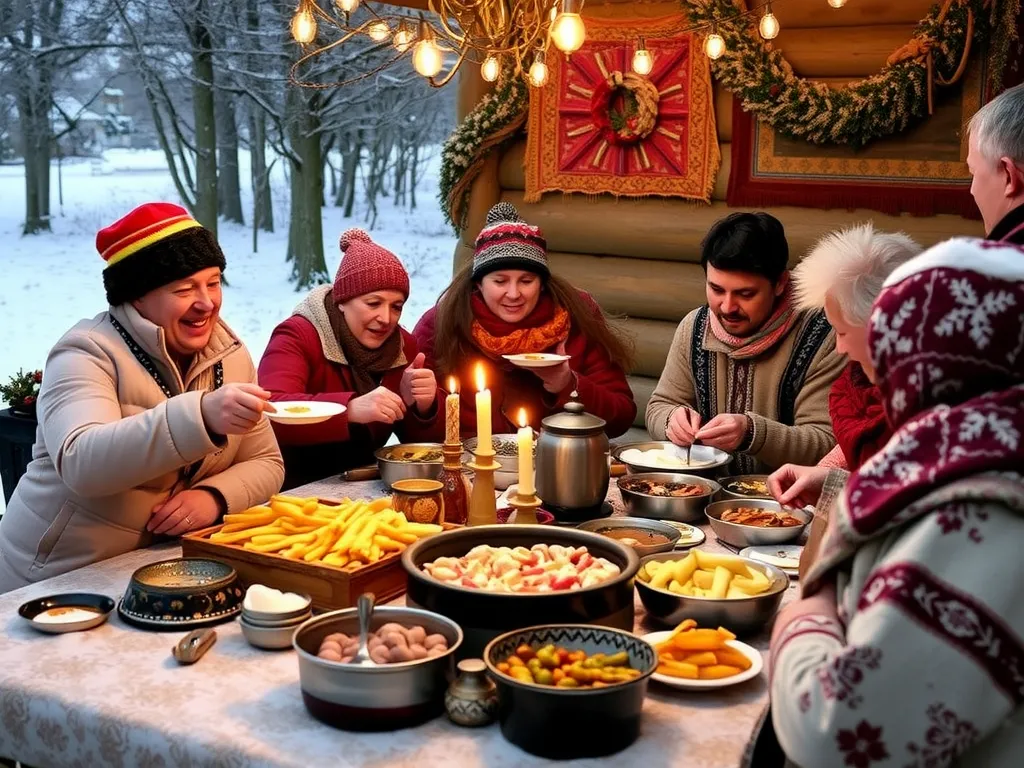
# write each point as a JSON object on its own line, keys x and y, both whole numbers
{"x": 572, "y": 463}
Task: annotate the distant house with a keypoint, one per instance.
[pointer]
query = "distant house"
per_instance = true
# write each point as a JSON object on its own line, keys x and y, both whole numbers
{"x": 88, "y": 130}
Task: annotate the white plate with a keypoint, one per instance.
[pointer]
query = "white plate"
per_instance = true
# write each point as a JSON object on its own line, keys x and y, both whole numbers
{"x": 692, "y": 535}
{"x": 537, "y": 360}
{"x": 672, "y": 458}
{"x": 756, "y": 665}
{"x": 313, "y": 411}
{"x": 783, "y": 556}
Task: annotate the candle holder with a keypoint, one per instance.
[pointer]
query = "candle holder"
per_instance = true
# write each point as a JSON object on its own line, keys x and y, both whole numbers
{"x": 525, "y": 509}
{"x": 483, "y": 506}
{"x": 456, "y": 485}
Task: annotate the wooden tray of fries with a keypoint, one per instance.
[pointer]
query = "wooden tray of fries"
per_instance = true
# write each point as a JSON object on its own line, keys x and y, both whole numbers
{"x": 331, "y": 550}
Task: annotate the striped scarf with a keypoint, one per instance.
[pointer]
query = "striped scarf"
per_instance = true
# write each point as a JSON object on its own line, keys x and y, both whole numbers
{"x": 771, "y": 333}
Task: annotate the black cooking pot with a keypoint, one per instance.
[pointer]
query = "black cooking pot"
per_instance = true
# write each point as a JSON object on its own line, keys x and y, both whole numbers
{"x": 484, "y": 615}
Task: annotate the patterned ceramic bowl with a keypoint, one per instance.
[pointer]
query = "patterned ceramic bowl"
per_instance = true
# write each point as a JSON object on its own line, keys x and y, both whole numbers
{"x": 184, "y": 592}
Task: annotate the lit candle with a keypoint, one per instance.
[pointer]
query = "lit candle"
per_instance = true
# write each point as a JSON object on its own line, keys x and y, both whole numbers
{"x": 525, "y": 438}
{"x": 483, "y": 412}
{"x": 451, "y": 412}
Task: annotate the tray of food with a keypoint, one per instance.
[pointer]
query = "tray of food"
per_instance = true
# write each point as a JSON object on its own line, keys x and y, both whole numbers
{"x": 330, "y": 550}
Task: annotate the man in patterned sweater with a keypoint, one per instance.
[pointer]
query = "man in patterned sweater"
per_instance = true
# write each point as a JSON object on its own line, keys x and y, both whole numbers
{"x": 749, "y": 373}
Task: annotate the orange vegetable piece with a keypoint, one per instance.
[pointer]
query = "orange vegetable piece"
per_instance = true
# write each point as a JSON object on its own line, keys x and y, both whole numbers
{"x": 726, "y": 633}
{"x": 557, "y": 675}
{"x": 701, "y": 659}
{"x": 718, "y": 671}
{"x": 679, "y": 669}
{"x": 733, "y": 658}
{"x": 685, "y": 626}
{"x": 503, "y": 667}
{"x": 699, "y": 640}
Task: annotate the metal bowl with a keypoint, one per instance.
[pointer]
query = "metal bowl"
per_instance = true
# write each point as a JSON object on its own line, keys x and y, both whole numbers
{"x": 484, "y": 615}
{"x": 541, "y": 718}
{"x": 752, "y": 535}
{"x": 384, "y": 697}
{"x": 186, "y": 592}
{"x": 681, "y": 509}
{"x": 651, "y": 526}
{"x": 506, "y": 454}
{"x": 268, "y": 638}
{"x": 744, "y": 615}
{"x": 725, "y": 494}
{"x": 392, "y": 470}
{"x": 715, "y": 458}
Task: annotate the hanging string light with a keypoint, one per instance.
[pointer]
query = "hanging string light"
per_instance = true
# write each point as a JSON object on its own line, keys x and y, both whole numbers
{"x": 490, "y": 69}
{"x": 714, "y": 44}
{"x": 404, "y": 37}
{"x": 538, "y": 75}
{"x": 346, "y": 6}
{"x": 303, "y": 24}
{"x": 378, "y": 31}
{"x": 769, "y": 26}
{"x": 643, "y": 61}
{"x": 837, "y": 3}
{"x": 567, "y": 29}
{"x": 426, "y": 55}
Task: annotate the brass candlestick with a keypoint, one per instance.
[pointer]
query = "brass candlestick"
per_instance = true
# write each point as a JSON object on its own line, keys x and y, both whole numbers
{"x": 483, "y": 506}
{"x": 456, "y": 485}
{"x": 525, "y": 508}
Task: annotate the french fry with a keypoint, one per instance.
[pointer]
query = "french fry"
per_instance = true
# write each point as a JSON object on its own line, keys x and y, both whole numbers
{"x": 387, "y": 544}
{"x": 231, "y": 538}
{"x": 398, "y": 534}
{"x": 701, "y": 659}
{"x": 699, "y": 640}
{"x": 703, "y": 579}
{"x": 679, "y": 669}
{"x": 708, "y": 561}
{"x": 732, "y": 658}
{"x": 267, "y": 538}
{"x": 720, "y": 583}
{"x": 717, "y": 671}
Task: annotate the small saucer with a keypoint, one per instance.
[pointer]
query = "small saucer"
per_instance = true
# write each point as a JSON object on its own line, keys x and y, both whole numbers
{"x": 691, "y": 534}
{"x": 100, "y": 606}
{"x": 536, "y": 360}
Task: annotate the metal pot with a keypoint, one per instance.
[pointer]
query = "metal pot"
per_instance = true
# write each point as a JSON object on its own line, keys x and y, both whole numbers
{"x": 572, "y": 462}
{"x": 393, "y": 469}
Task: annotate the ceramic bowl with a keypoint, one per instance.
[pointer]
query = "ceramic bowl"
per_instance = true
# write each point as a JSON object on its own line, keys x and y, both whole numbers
{"x": 275, "y": 616}
{"x": 393, "y": 467}
{"x": 744, "y": 616}
{"x": 383, "y": 697}
{"x": 609, "y": 525}
{"x": 751, "y": 535}
{"x": 269, "y": 638}
{"x": 571, "y": 723}
{"x": 276, "y": 623}
{"x": 184, "y": 592}
{"x": 680, "y": 509}
{"x": 100, "y": 606}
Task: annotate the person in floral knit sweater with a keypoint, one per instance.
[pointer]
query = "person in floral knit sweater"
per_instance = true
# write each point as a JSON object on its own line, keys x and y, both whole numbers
{"x": 908, "y": 645}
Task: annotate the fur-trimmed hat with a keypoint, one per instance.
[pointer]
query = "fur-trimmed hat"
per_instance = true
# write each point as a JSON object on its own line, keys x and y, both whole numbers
{"x": 153, "y": 245}
{"x": 508, "y": 242}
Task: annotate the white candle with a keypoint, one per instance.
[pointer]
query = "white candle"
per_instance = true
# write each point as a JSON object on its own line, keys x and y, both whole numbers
{"x": 451, "y": 413}
{"x": 525, "y": 438}
{"x": 483, "y": 413}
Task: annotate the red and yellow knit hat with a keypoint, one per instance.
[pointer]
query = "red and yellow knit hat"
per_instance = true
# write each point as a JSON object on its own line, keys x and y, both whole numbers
{"x": 153, "y": 245}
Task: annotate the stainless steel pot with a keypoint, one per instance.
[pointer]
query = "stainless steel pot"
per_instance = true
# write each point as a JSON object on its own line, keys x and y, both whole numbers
{"x": 572, "y": 462}
{"x": 752, "y": 535}
{"x": 681, "y": 509}
{"x": 393, "y": 470}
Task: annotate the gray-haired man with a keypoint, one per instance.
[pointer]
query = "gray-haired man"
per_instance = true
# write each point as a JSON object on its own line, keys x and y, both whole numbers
{"x": 996, "y": 161}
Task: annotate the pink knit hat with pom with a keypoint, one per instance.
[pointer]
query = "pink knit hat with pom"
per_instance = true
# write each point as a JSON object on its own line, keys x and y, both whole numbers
{"x": 366, "y": 267}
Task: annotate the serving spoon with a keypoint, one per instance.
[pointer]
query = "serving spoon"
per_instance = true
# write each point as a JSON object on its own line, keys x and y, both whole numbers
{"x": 364, "y": 608}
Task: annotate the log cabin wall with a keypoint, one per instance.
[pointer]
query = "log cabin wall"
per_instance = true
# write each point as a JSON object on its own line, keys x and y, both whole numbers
{"x": 640, "y": 258}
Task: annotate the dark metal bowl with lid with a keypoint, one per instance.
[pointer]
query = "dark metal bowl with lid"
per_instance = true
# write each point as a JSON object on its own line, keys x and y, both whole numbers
{"x": 572, "y": 463}
{"x": 484, "y": 615}
{"x": 183, "y": 592}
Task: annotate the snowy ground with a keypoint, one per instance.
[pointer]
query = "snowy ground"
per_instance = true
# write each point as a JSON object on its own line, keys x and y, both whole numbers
{"x": 53, "y": 280}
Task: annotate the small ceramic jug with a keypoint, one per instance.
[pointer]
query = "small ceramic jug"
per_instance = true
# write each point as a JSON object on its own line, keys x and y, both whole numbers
{"x": 420, "y": 500}
{"x": 472, "y": 698}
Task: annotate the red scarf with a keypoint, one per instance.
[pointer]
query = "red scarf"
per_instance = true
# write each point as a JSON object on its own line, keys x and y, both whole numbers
{"x": 946, "y": 343}
{"x": 541, "y": 330}
{"x": 858, "y": 416}
{"x": 767, "y": 336}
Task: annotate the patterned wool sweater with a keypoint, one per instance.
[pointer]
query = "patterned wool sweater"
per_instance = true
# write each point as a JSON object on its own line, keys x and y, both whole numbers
{"x": 925, "y": 665}
{"x": 785, "y": 390}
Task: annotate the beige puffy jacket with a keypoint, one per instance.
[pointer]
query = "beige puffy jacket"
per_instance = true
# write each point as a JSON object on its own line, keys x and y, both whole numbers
{"x": 110, "y": 446}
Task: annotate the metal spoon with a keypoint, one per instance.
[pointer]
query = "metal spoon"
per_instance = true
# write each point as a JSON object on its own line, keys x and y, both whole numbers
{"x": 364, "y": 607}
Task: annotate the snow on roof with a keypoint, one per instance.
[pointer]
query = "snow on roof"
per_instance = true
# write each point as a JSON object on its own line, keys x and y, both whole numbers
{"x": 74, "y": 109}
{"x": 113, "y": 92}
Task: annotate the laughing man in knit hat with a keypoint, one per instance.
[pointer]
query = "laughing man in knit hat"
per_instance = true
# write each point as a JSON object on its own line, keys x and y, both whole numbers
{"x": 150, "y": 418}
{"x": 508, "y": 303}
{"x": 343, "y": 345}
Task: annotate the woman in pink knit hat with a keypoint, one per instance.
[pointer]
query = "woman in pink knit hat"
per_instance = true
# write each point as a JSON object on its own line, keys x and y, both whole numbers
{"x": 343, "y": 344}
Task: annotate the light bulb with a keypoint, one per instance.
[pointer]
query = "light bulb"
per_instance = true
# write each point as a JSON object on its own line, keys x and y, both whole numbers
{"x": 426, "y": 58}
{"x": 568, "y": 32}
{"x": 769, "y": 26}
{"x": 538, "y": 71}
{"x": 303, "y": 26}
{"x": 346, "y": 6}
{"x": 404, "y": 38}
{"x": 643, "y": 61}
{"x": 490, "y": 69}
{"x": 714, "y": 45}
{"x": 837, "y": 3}
{"x": 378, "y": 31}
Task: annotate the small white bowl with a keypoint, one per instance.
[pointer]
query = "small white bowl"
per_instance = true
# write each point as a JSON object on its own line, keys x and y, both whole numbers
{"x": 293, "y": 621}
{"x": 269, "y": 638}
{"x": 249, "y": 613}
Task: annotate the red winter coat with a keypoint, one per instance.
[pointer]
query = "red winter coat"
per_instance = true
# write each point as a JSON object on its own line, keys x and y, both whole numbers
{"x": 858, "y": 416}
{"x": 601, "y": 384}
{"x": 303, "y": 361}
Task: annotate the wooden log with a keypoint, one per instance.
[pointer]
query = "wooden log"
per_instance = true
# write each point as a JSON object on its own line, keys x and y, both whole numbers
{"x": 817, "y": 13}
{"x": 841, "y": 51}
{"x": 511, "y": 174}
{"x": 654, "y": 228}
{"x": 652, "y": 339}
{"x": 659, "y": 290}
{"x": 643, "y": 388}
